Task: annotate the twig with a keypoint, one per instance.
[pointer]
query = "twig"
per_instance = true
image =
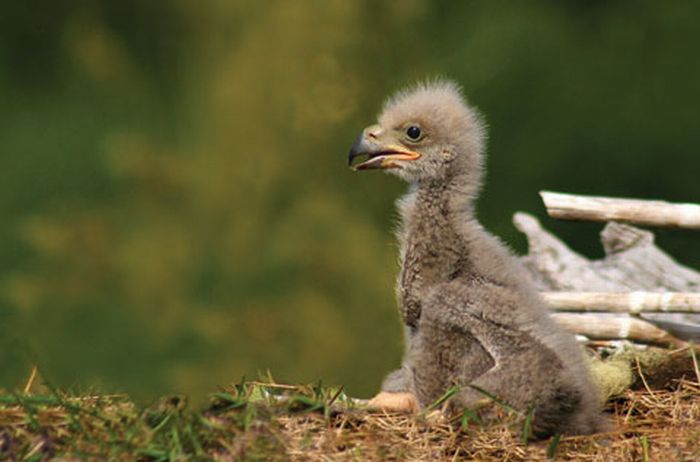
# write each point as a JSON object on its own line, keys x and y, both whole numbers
{"x": 644, "y": 380}
{"x": 695, "y": 363}
{"x": 30, "y": 381}
{"x": 643, "y": 212}
{"x": 631, "y": 302}
{"x": 601, "y": 327}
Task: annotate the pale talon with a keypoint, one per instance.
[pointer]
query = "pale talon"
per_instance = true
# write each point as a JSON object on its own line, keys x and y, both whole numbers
{"x": 395, "y": 402}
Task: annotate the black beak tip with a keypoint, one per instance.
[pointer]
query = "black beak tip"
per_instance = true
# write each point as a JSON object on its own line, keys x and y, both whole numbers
{"x": 356, "y": 149}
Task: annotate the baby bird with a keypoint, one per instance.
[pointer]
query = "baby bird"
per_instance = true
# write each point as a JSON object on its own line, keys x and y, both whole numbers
{"x": 473, "y": 318}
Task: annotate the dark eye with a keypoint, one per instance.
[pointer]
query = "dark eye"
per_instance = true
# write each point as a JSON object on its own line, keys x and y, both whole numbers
{"x": 413, "y": 132}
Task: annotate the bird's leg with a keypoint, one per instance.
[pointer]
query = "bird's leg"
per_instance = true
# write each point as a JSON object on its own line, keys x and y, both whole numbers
{"x": 524, "y": 373}
{"x": 443, "y": 356}
{"x": 520, "y": 369}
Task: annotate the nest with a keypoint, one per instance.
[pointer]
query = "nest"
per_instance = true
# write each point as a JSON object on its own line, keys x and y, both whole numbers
{"x": 646, "y": 425}
{"x": 655, "y": 416}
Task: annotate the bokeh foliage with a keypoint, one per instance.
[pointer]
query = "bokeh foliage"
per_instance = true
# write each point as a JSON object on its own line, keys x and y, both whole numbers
{"x": 175, "y": 206}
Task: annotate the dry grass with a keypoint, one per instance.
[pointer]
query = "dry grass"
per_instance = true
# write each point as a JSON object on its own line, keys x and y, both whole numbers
{"x": 656, "y": 425}
{"x": 265, "y": 421}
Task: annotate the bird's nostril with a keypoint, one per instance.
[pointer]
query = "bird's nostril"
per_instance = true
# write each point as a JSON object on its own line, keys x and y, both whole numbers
{"x": 372, "y": 132}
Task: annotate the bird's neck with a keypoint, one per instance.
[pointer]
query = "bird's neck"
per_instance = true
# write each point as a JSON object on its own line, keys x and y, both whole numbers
{"x": 451, "y": 199}
{"x": 443, "y": 235}
{"x": 439, "y": 224}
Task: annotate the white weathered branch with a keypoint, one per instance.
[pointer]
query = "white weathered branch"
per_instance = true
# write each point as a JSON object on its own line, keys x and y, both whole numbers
{"x": 632, "y": 263}
{"x": 630, "y": 302}
{"x": 602, "y": 327}
{"x": 643, "y": 212}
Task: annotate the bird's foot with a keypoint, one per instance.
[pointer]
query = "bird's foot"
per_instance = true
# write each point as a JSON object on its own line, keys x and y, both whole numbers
{"x": 395, "y": 402}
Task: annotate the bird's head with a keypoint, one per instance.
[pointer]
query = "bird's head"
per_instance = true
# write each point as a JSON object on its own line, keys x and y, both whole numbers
{"x": 424, "y": 133}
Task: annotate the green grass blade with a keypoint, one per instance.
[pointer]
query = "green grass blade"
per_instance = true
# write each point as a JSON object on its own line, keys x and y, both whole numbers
{"x": 495, "y": 399}
{"x": 469, "y": 415}
{"x": 527, "y": 425}
{"x": 645, "y": 448}
{"x": 453, "y": 390}
{"x": 553, "y": 446}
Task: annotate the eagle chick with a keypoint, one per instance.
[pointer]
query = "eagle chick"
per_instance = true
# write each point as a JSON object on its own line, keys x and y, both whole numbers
{"x": 473, "y": 318}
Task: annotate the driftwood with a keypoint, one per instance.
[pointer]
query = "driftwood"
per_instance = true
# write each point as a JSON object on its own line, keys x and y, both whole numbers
{"x": 634, "y": 277}
{"x": 629, "y": 302}
{"x": 632, "y": 262}
{"x": 601, "y": 327}
{"x": 642, "y": 212}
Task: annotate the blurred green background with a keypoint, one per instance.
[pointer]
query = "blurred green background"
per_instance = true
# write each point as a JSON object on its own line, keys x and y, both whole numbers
{"x": 175, "y": 206}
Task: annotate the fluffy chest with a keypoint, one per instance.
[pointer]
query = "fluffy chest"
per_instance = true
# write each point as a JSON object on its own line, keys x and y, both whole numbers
{"x": 432, "y": 252}
{"x": 430, "y": 257}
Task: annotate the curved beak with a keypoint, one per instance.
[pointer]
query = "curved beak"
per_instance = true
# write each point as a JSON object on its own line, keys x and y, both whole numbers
{"x": 379, "y": 155}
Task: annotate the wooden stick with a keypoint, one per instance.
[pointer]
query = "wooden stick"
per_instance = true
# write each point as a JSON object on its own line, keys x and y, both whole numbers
{"x": 630, "y": 302}
{"x": 612, "y": 343}
{"x": 643, "y": 212}
{"x": 601, "y": 327}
